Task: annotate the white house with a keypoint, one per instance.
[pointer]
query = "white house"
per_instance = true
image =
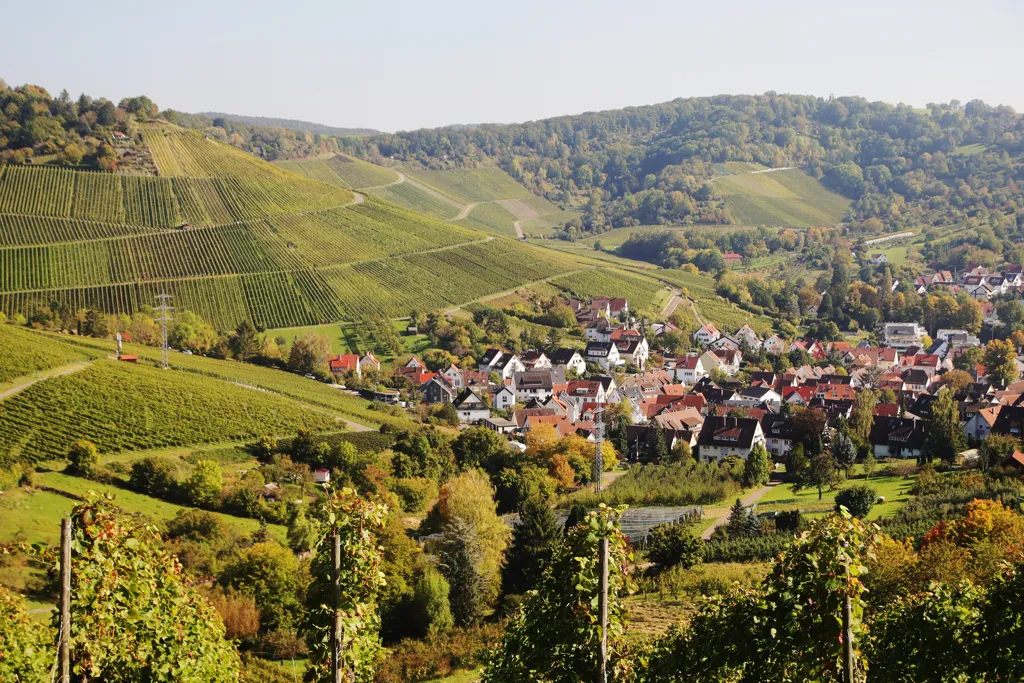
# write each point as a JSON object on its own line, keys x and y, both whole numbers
{"x": 902, "y": 335}
{"x": 706, "y": 334}
{"x": 692, "y": 368}
{"x": 503, "y": 397}
{"x": 726, "y": 343}
{"x": 980, "y": 424}
{"x": 570, "y": 359}
{"x": 746, "y": 335}
{"x": 455, "y": 376}
{"x": 368, "y": 362}
{"x": 723, "y": 437}
{"x": 634, "y": 351}
{"x": 775, "y": 345}
{"x": 605, "y": 354}
{"x": 533, "y": 384}
{"x": 470, "y": 407}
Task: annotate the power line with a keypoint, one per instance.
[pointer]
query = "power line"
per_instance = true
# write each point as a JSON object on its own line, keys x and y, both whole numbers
{"x": 164, "y": 309}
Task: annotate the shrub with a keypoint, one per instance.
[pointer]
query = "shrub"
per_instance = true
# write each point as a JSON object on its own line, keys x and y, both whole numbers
{"x": 83, "y": 458}
{"x": 241, "y": 618}
{"x": 432, "y": 608}
{"x": 746, "y": 549}
{"x": 416, "y": 493}
{"x": 283, "y": 644}
{"x": 673, "y": 544}
{"x": 155, "y": 477}
{"x": 439, "y": 655}
{"x": 857, "y": 499}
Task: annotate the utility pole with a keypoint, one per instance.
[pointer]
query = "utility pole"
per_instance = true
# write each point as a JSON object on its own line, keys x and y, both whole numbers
{"x": 598, "y": 458}
{"x": 164, "y": 309}
{"x": 602, "y": 608}
{"x": 64, "y": 636}
{"x": 336, "y": 620}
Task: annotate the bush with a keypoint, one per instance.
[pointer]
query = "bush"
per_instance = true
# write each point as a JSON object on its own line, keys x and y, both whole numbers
{"x": 157, "y": 477}
{"x": 283, "y": 644}
{"x": 439, "y": 655}
{"x": 746, "y": 549}
{"x": 685, "y": 483}
{"x": 857, "y": 499}
{"x": 788, "y": 520}
{"x": 241, "y": 618}
{"x": 416, "y": 493}
{"x": 83, "y": 458}
{"x": 673, "y": 544}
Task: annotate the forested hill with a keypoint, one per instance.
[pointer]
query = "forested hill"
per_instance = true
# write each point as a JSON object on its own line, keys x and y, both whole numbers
{"x": 903, "y": 167}
{"x": 288, "y": 124}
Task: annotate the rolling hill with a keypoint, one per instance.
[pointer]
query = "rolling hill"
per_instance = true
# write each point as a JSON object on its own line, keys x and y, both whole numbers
{"x": 289, "y": 124}
{"x": 232, "y": 237}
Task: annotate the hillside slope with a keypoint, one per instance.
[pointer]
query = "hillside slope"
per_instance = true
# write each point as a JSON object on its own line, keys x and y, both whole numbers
{"x": 232, "y": 237}
{"x": 780, "y": 197}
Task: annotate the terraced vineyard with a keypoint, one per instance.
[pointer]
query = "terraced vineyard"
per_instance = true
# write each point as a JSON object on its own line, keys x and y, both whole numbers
{"x": 342, "y": 171}
{"x": 470, "y": 185}
{"x": 491, "y": 217}
{"x": 123, "y": 407}
{"x": 788, "y": 198}
{"x": 23, "y": 352}
{"x": 232, "y": 238}
{"x": 415, "y": 199}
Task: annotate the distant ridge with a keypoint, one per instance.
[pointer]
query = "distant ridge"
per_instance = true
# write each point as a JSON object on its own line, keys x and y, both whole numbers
{"x": 290, "y": 124}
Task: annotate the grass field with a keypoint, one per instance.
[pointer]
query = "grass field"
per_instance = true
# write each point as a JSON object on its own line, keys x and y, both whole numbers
{"x": 345, "y": 338}
{"x": 781, "y": 198}
{"x": 966, "y": 150}
{"x": 895, "y": 490}
{"x": 543, "y": 225}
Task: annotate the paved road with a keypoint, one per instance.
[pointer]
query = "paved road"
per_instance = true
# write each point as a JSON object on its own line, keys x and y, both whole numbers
{"x": 670, "y": 305}
{"x": 721, "y": 515}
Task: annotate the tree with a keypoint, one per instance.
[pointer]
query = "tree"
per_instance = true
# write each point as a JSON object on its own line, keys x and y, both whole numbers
{"x": 844, "y": 452}
{"x": 530, "y": 549}
{"x": 820, "y": 474}
{"x": 944, "y": 439}
{"x": 808, "y": 425}
{"x": 309, "y": 355}
{"x": 862, "y": 417}
{"x": 758, "y": 467}
{"x": 303, "y": 532}
{"x": 431, "y": 604}
{"x": 469, "y": 500}
{"x": 356, "y": 523}
{"x": 673, "y": 544}
{"x": 995, "y": 448}
{"x": 956, "y": 380}
{"x": 657, "y": 449}
{"x": 245, "y": 343}
{"x": 857, "y": 499}
{"x": 116, "y": 569}
{"x": 461, "y": 558}
{"x": 554, "y": 637}
{"x": 83, "y": 458}
{"x": 1001, "y": 361}
{"x": 269, "y": 573}
{"x": 481, "y": 447}
{"x": 154, "y": 476}
{"x": 869, "y": 463}
{"x": 577, "y": 513}
{"x": 203, "y": 487}
{"x": 741, "y": 521}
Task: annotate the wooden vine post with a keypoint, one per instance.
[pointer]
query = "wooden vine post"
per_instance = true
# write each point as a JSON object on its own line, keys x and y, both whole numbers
{"x": 602, "y": 608}
{"x": 64, "y": 636}
{"x": 336, "y": 621}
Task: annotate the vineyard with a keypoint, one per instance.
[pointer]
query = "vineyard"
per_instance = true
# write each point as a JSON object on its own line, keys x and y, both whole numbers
{"x": 787, "y": 198}
{"x": 470, "y": 185}
{"x": 122, "y": 407}
{"x": 713, "y": 308}
{"x": 340, "y": 170}
{"x": 490, "y": 217}
{"x": 298, "y": 388}
{"x": 641, "y": 292}
{"x": 23, "y": 352}
{"x": 415, "y": 199}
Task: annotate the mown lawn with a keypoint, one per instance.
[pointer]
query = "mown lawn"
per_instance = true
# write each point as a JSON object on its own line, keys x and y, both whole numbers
{"x": 895, "y": 489}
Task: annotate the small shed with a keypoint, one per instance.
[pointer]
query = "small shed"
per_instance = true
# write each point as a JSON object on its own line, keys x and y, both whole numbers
{"x": 322, "y": 476}
{"x": 128, "y": 358}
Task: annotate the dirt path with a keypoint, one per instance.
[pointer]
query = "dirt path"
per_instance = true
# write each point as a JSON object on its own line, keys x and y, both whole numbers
{"x": 498, "y": 295}
{"x": 518, "y": 225}
{"x": 721, "y": 515}
{"x": 45, "y": 374}
{"x": 465, "y": 212}
{"x": 673, "y": 301}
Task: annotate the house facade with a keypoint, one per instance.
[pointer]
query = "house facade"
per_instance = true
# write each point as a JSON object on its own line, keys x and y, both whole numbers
{"x": 724, "y": 437}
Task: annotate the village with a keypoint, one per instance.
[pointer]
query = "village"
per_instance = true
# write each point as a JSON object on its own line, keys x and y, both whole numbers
{"x": 718, "y": 400}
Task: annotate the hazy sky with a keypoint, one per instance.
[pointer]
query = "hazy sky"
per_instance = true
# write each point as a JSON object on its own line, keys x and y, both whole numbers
{"x": 424, "y": 63}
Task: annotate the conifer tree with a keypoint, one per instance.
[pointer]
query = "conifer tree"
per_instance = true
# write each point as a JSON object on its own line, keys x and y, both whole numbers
{"x": 530, "y": 549}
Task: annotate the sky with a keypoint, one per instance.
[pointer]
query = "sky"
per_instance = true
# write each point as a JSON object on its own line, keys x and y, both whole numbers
{"x": 401, "y": 65}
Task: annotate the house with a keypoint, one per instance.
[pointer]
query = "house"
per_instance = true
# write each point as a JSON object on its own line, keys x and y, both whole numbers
{"x": 902, "y": 335}
{"x": 582, "y": 391}
{"x": 345, "y": 363}
{"x": 605, "y": 354}
{"x": 470, "y": 407}
{"x": 732, "y": 259}
{"x": 570, "y": 359}
{"x": 775, "y": 345}
{"x": 916, "y": 380}
{"x": 498, "y": 424}
{"x": 533, "y": 384}
{"x": 799, "y": 396}
{"x": 778, "y": 435}
{"x": 754, "y": 397}
{"x": 729, "y": 360}
{"x": 981, "y": 423}
{"x": 691, "y": 368}
{"x": 748, "y": 337}
{"x": 634, "y": 351}
{"x": 503, "y": 397}
{"x": 507, "y": 365}
{"x": 369, "y": 363}
{"x": 614, "y": 307}
{"x": 835, "y": 392}
{"x": 1010, "y": 421}
{"x": 706, "y": 334}
{"x": 535, "y": 360}
{"x": 599, "y": 330}
{"x": 879, "y": 259}
{"x": 723, "y": 437}
{"x": 897, "y": 437}
{"x": 725, "y": 343}
{"x": 415, "y": 362}
{"x": 439, "y": 390}
{"x": 455, "y": 376}
{"x": 321, "y": 476}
